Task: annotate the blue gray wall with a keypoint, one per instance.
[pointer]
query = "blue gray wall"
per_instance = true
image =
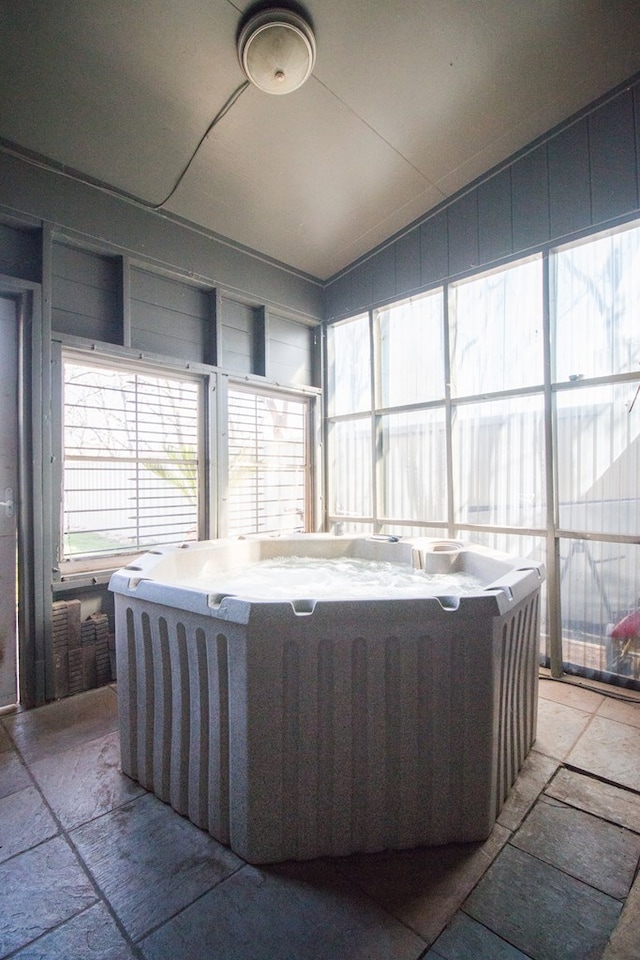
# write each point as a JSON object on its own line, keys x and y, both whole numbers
{"x": 583, "y": 176}
{"x": 85, "y": 216}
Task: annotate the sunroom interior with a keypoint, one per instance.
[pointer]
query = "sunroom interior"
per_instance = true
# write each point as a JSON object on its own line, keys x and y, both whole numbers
{"x": 401, "y": 301}
{"x": 473, "y": 375}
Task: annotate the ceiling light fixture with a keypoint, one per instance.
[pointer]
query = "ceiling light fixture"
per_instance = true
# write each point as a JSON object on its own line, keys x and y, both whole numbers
{"x": 277, "y": 50}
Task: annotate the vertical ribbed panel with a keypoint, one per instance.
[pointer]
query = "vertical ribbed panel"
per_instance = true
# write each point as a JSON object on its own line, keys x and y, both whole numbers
{"x": 291, "y": 729}
{"x": 297, "y": 738}
{"x": 326, "y": 705}
{"x": 376, "y": 721}
{"x": 180, "y": 723}
{"x": 218, "y": 774}
{"x": 400, "y": 703}
{"x": 377, "y": 748}
{"x": 517, "y": 697}
{"x": 198, "y": 803}
{"x": 359, "y": 741}
{"x": 145, "y": 705}
{"x": 127, "y": 686}
{"x": 163, "y": 709}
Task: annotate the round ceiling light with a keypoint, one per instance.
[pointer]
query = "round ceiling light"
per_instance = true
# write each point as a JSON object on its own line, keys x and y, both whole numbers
{"x": 277, "y": 50}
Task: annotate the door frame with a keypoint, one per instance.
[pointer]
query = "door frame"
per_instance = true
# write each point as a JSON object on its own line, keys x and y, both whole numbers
{"x": 31, "y": 589}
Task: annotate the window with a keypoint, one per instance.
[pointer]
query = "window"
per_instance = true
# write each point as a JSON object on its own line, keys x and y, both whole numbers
{"x": 131, "y": 459}
{"x": 596, "y": 334}
{"x": 411, "y": 351}
{"x": 269, "y": 469}
{"x": 387, "y": 463}
{"x": 349, "y": 382}
{"x": 597, "y": 306}
{"x": 484, "y": 410}
{"x": 496, "y": 330}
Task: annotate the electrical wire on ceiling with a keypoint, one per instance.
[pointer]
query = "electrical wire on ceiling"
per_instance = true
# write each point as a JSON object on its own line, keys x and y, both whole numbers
{"x": 64, "y": 171}
{"x": 276, "y": 50}
{"x": 235, "y": 96}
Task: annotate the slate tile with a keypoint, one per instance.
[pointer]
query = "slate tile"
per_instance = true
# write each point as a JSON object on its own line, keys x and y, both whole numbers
{"x": 40, "y": 889}
{"x": 13, "y": 773}
{"x": 559, "y": 728}
{"x": 535, "y": 773}
{"x": 466, "y": 939}
{"x": 600, "y": 853}
{"x": 424, "y": 887}
{"x": 5, "y": 740}
{"x": 541, "y": 910}
{"x": 609, "y": 749}
{"x": 601, "y": 799}
{"x": 91, "y": 935}
{"x": 25, "y": 821}
{"x": 59, "y": 726}
{"x": 621, "y": 711}
{"x": 150, "y": 862}
{"x": 570, "y": 694}
{"x": 623, "y": 944}
{"x": 289, "y": 912}
{"x": 85, "y": 782}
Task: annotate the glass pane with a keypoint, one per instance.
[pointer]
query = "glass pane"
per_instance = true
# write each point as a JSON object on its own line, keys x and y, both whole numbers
{"x": 598, "y": 454}
{"x": 130, "y": 460}
{"x": 347, "y": 528}
{"x": 496, "y": 331}
{"x": 414, "y": 465}
{"x": 267, "y": 464}
{"x": 350, "y": 468}
{"x": 411, "y": 351}
{"x": 600, "y": 586}
{"x": 527, "y": 548}
{"x": 349, "y": 366}
{"x": 402, "y": 530}
{"x": 498, "y": 467}
{"x": 597, "y": 314}
{"x": 111, "y": 507}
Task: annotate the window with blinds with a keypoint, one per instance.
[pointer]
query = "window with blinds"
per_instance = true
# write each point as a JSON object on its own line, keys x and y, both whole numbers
{"x": 268, "y": 463}
{"x": 130, "y": 445}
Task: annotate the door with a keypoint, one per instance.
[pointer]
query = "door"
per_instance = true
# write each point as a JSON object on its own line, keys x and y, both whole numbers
{"x": 8, "y": 491}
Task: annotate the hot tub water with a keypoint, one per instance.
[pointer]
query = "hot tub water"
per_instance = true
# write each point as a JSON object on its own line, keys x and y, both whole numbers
{"x": 341, "y": 578}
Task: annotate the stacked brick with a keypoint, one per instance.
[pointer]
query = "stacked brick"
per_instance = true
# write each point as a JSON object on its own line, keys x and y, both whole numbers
{"x": 82, "y": 650}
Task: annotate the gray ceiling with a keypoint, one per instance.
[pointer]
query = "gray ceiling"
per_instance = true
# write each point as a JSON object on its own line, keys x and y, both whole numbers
{"x": 409, "y": 101}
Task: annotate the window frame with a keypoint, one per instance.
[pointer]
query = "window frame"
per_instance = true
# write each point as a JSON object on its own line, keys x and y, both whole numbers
{"x": 212, "y": 455}
{"x": 68, "y": 567}
{"x": 549, "y": 534}
{"x": 312, "y": 426}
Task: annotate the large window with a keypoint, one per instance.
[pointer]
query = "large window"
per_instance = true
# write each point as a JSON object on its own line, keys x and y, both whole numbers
{"x": 268, "y": 481}
{"x": 512, "y": 420}
{"x": 496, "y": 330}
{"x": 131, "y": 459}
{"x": 595, "y": 311}
{"x": 135, "y": 470}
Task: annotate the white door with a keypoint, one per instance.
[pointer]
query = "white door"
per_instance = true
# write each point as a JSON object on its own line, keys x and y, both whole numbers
{"x": 8, "y": 492}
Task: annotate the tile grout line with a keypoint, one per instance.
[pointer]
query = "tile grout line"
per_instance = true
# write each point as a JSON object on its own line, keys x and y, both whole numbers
{"x": 200, "y": 896}
{"x": 64, "y": 834}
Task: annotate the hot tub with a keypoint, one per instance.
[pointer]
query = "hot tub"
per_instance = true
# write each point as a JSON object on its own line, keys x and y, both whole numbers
{"x": 303, "y": 727}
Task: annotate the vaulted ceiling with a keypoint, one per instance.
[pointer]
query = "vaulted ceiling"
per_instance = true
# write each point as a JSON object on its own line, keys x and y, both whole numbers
{"x": 409, "y": 101}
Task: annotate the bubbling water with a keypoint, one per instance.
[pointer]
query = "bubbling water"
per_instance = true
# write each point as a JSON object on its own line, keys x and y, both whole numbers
{"x": 294, "y": 578}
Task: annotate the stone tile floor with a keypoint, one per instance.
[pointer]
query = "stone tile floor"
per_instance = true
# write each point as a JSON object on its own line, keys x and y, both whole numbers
{"x": 92, "y": 866}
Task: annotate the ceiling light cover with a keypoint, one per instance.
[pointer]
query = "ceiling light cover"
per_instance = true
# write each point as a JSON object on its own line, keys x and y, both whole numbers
{"x": 277, "y": 50}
